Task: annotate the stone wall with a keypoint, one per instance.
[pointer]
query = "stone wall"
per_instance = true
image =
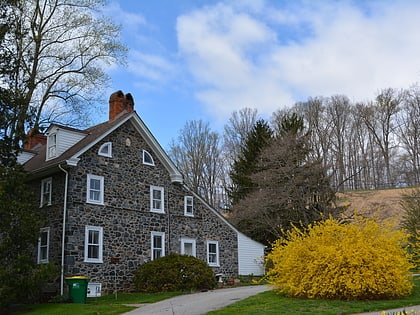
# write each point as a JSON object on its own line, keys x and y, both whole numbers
{"x": 125, "y": 215}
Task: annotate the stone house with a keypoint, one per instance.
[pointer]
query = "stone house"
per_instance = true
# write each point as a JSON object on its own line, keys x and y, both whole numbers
{"x": 114, "y": 200}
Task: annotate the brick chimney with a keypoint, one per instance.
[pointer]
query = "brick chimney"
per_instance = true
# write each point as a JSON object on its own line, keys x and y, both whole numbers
{"x": 33, "y": 139}
{"x": 118, "y": 102}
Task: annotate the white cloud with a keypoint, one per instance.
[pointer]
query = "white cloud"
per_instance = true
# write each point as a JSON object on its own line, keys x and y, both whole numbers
{"x": 268, "y": 58}
{"x": 129, "y": 20}
{"x": 148, "y": 62}
{"x": 150, "y": 67}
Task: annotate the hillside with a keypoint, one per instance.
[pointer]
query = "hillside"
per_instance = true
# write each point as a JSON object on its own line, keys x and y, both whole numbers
{"x": 382, "y": 204}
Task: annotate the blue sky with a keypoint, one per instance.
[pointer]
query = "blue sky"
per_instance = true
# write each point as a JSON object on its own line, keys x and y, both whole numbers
{"x": 191, "y": 60}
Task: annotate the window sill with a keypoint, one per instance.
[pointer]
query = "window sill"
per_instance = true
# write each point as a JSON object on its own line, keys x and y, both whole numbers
{"x": 98, "y": 261}
{"x": 95, "y": 202}
{"x": 158, "y": 211}
{"x": 214, "y": 265}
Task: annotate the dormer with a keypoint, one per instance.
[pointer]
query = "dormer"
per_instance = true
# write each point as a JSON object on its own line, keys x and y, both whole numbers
{"x": 60, "y": 139}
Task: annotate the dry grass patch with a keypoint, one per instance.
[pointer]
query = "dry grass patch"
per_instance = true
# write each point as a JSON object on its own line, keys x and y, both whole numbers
{"x": 380, "y": 204}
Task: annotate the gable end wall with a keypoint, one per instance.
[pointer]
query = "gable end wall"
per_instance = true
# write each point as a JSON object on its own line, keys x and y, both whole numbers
{"x": 125, "y": 217}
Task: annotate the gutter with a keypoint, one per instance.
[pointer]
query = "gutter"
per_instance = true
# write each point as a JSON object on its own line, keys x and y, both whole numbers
{"x": 64, "y": 229}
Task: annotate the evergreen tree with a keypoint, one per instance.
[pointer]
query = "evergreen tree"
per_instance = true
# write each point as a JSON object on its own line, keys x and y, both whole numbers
{"x": 289, "y": 187}
{"x": 246, "y": 163}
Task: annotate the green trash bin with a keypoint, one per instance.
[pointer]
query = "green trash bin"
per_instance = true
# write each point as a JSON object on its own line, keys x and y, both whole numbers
{"x": 77, "y": 288}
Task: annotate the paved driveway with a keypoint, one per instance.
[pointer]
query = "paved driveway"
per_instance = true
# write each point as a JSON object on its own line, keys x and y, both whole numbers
{"x": 198, "y": 303}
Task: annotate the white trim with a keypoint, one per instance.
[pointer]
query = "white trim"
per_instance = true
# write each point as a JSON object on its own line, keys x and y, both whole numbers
{"x": 108, "y": 147}
{"x": 98, "y": 229}
{"x": 161, "y": 201}
{"x": 207, "y": 205}
{"x": 100, "y": 200}
{"x": 216, "y": 262}
{"x": 52, "y": 146}
{"x": 72, "y": 161}
{"x": 147, "y": 155}
{"x": 47, "y": 246}
{"x": 152, "y": 244}
{"x": 175, "y": 174}
{"x": 48, "y": 182}
{"x": 189, "y": 203}
{"x": 185, "y": 240}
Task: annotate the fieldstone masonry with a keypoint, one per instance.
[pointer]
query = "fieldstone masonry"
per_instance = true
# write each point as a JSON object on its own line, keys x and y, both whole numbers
{"x": 125, "y": 215}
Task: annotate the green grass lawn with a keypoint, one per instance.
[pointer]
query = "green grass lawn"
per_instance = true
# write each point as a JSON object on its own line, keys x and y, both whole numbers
{"x": 263, "y": 303}
{"x": 105, "y": 305}
{"x": 271, "y": 303}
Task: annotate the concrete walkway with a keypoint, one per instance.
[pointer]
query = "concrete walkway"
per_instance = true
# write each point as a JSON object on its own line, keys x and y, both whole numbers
{"x": 199, "y": 303}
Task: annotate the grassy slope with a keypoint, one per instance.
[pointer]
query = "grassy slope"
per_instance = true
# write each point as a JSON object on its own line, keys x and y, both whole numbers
{"x": 382, "y": 204}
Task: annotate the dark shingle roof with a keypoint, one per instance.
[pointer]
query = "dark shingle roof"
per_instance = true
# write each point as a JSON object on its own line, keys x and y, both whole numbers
{"x": 38, "y": 163}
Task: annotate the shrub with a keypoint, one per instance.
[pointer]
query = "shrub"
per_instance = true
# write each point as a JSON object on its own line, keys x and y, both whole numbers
{"x": 23, "y": 282}
{"x": 333, "y": 260}
{"x": 174, "y": 273}
{"x": 411, "y": 214}
{"x": 411, "y": 222}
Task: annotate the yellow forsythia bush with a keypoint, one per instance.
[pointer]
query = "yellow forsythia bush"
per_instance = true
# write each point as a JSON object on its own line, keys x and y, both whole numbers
{"x": 332, "y": 260}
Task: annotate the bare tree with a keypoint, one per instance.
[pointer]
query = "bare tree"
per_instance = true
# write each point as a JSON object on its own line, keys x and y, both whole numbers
{"x": 409, "y": 134}
{"x": 60, "y": 48}
{"x": 319, "y": 127}
{"x": 236, "y": 131}
{"x": 338, "y": 112}
{"x": 379, "y": 117}
{"x": 358, "y": 150}
{"x": 196, "y": 152}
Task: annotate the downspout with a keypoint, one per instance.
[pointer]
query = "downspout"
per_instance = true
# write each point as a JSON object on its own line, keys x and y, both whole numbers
{"x": 64, "y": 229}
{"x": 169, "y": 222}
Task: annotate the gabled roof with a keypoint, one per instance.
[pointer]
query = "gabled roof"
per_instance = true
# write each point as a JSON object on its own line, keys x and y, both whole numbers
{"x": 39, "y": 165}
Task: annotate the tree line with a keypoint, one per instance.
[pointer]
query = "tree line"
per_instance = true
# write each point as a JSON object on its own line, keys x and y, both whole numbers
{"x": 362, "y": 145}
{"x": 367, "y": 145}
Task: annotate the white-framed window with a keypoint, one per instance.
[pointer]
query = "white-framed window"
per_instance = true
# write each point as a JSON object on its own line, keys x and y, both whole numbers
{"x": 189, "y": 206}
{"x": 188, "y": 246}
{"x": 93, "y": 244}
{"x": 95, "y": 189}
{"x": 157, "y": 199}
{"x": 147, "y": 158}
{"x": 51, "y": 146}
{"x": 157, "y": 245}
{"x": 213, "y": 253}
{"x": 43, "y": 245}
{"x": 46, "y": 189}
{"x": 106, "y": 149}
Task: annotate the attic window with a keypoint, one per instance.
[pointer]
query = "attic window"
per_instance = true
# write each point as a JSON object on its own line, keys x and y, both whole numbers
{"x": 147, "y": 158}
{"x": 52, "y": 146}
{"x": 106, "y": 149}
